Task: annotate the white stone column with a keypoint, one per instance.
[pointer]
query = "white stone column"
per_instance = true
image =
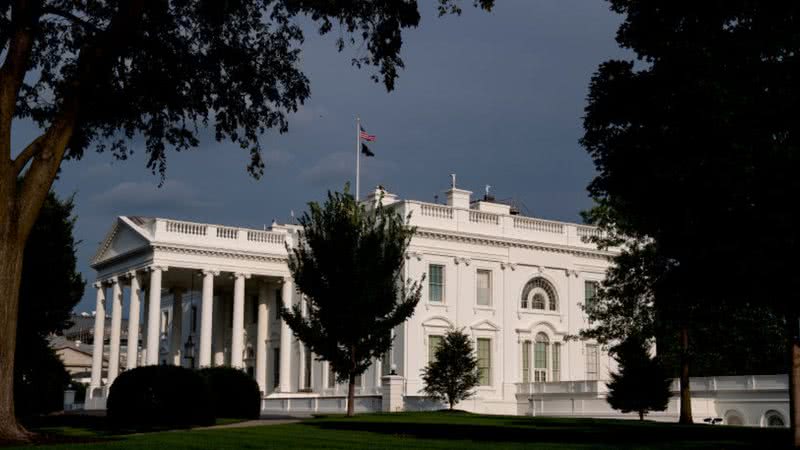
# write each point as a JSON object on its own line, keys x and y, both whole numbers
{"x": 143, "y": 352}
{"x": 116, "y": 330}
{"x": 287, "y": 290}
{"x": 261, "y": 336}
{"x": 176, "y": 336}
{"x": 154, "y": 315}
{"x": 99, "y": 330}
{"x": 133, "y": 321}
{"x": 301, "y": 363}
{"x": 218, "y": 331}
{"x": 237, "y": 329}
{"x": 206, "y": 317}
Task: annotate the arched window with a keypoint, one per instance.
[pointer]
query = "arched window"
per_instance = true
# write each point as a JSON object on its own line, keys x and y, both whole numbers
{"x": 733, "y": 418}
{"x": 540, "y": 351}
{"x": 775, "y": 419}
{"x": 539, "y": 294}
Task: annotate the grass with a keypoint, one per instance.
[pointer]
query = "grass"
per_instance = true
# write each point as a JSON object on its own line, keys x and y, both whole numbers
{"x": 437, "y": 430}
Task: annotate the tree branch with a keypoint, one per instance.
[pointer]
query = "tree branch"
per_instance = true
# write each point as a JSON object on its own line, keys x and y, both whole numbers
{"x": 52, "y": 11}
{"x": 27, "y": 153}
{"x": 12, "y": 73}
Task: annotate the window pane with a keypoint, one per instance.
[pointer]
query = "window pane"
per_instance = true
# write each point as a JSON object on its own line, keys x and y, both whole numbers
{"x": 484, "y": 362}
{"x": 590, "y": 291}
{"x": 435, "y": 283}
{"x": 526, "y": 362}
{"x": 331, "y": 376}
{"x": 556, "y": 361}
{"x": 591, "y": 361}
{"x": 538, "y": 301}
{"x": 433, "y": 343}
{"x": 484, "y": 283}
{"x": 276, "y": 367}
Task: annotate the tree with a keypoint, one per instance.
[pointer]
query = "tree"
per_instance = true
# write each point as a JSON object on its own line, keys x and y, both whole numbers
{"x": 97, "y": 74}
{"x": 696, "y": 147}
{"x": 453, "y": 373}
{"x": 640, "y": 384}
{"x": 349, "y": 267}
{"x": 51, "y": 286}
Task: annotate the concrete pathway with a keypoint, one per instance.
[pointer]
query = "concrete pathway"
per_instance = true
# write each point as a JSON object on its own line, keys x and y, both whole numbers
{"x": 282, "y": 420}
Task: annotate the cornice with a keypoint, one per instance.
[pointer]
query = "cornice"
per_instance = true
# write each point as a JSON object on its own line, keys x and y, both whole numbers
{"x": 205, "y": 251}
{"x": 506, "y": 242}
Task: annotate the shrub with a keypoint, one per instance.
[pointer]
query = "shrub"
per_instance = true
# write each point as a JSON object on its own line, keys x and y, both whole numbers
{"x": 233, "y": 393}
{"x": 159, "y": 397}
{"x": 641, "y": 385}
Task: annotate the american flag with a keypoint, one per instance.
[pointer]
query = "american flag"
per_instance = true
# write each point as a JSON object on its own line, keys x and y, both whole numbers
{"x": 366, "y": 136}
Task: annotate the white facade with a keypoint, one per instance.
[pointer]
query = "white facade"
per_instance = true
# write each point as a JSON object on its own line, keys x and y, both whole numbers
{"x": 514, "y": 283}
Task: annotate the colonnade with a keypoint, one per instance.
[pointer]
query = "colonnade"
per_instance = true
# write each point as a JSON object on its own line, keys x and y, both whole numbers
{"x": 152, "y": 314}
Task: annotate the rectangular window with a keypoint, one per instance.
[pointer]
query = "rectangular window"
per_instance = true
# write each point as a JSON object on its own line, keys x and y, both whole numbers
{"x": 331, "y": 377}
{"x": 484, "y": 361}
{"x": 433, "y": 344}
{"x": 276, "y": 367}
{"x": 194, "y": 318}
{"x": 254, "y": 309}
{"x": 540, "y": 361}
{"x": 357, "y": 381}
{"x": 526, "y": 362}
{"x": 592, "y": 361}
{"x": 435, "y": 283}
{"x": 556, "y": 361}
{"x": 484, "y": 283}
{"x": 309, "y": 360}
{"x": 590, "y": 291}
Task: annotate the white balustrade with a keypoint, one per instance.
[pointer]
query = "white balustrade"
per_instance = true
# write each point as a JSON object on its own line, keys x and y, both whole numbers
{"x": 483, "y": 217}
{"x": 268, "y": 237}
{"x": 437, "y": 211}
{"x": 544, "y": 226}
{"x": 196, "y": 229}
{"x": 227, "y": 233}
{"x": 589, "y": 232}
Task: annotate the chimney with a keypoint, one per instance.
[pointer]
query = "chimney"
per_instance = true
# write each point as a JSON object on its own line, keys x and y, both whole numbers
{"x": 457, "y": 198}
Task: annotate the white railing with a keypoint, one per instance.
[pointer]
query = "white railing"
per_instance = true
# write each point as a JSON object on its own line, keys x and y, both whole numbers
{"x": 544, "y": 226}
{"x": 589, "y": 232}
{"x": 483, "y": 217}
{"x": 195, "y": 229}
{"x": 227, "y": 233}
{"x": 562, "y": 387}
{"x": 438, "y": 211}
{"x": 265, "y": 236}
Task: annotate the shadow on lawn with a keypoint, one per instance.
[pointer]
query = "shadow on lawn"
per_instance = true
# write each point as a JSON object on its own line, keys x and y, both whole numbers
{"x": 563, "y": 431}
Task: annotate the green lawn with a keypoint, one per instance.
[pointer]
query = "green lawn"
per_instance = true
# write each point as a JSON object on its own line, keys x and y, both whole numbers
{"x": 440, "y": 430}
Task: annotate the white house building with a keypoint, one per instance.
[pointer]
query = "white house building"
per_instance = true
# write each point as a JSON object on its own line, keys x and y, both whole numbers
{"x": 208, "y": 295}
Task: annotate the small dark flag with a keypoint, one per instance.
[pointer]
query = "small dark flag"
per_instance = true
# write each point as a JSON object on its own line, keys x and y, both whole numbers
{"x": 366, "y": 151}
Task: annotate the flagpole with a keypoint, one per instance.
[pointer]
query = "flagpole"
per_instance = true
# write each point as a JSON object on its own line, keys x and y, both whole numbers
{"x": 358, "y": 156}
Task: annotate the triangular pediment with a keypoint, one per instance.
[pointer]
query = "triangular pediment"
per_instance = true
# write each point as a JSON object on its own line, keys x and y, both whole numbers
{"x": 485, "y": 325}
{"x": 121, "y": 239}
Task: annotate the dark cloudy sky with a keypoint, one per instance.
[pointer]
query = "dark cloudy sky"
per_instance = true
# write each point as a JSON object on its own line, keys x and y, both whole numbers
{"x": 495, "y": 97}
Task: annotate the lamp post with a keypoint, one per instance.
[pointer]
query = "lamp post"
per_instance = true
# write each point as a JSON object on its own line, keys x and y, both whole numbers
{"x": 188, "y": 351}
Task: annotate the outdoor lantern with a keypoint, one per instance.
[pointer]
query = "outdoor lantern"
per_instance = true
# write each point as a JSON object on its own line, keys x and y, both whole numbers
{"x": 188, "y": 350}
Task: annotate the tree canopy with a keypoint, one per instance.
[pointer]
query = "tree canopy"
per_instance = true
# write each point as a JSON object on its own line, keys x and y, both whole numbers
{"x": 348, "y": 265}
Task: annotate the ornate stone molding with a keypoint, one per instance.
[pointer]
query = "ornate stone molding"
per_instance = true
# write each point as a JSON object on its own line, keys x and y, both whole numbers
{"x": 416, "y": 255}
{"x": 213, "y": 272}
{"x": 501, "y": 242}
{"x": 508, "y": 265}
{"x": 460, "y": 259}
{"x": 220, "y": 253}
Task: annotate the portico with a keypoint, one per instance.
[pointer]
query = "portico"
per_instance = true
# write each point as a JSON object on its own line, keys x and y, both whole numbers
{"x": 213, "y": 287}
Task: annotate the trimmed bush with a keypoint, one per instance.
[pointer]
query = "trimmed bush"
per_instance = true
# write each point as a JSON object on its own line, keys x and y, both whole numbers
{"x": 159, "y": 397}
{"x": 234, "y": 394}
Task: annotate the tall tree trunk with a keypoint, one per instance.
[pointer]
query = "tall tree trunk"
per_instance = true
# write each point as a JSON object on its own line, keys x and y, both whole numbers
{"x": 794, "y": 379}
{"x": 11, "y": 250}
{"x": 686, "y": 394}
{"x": 351, "y": 395}
{"x": 641, "y": 416}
